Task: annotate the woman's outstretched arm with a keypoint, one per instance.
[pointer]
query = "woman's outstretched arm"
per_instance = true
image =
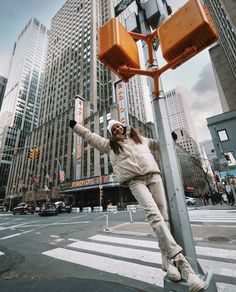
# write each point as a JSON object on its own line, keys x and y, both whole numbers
{"x": 100, "y": 143}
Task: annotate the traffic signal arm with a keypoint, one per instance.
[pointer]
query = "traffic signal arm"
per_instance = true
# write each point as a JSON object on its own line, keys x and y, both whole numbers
{"x": 177, "y": 37}
{"x": 156, "y": 72}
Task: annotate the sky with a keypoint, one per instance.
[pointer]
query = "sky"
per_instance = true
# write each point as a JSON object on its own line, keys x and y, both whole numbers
{"x": 196, "y": 74}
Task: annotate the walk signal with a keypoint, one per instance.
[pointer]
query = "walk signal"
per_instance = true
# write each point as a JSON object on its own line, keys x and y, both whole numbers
{"x": 36, "y": 153}
{"x": 117, "y": 48}
{"x": 190, "y": 27}
{"x": 31, "y": 154}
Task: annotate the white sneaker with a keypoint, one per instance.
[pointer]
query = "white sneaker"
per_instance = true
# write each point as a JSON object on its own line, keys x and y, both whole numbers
{"x": 195, "y": 284}
{"x": 169, "y": 267}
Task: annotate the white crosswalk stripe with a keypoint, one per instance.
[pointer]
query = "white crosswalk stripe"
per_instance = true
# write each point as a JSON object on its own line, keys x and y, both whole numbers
{"x": 97, "y": 251}
{"x": 222, "y": 216}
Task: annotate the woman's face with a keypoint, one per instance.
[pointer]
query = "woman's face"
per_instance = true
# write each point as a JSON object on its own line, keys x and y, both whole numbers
{"x": 117, "y": 129}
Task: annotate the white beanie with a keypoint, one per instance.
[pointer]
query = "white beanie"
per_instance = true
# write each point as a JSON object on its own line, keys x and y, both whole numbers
{"x": 112, "y": 123}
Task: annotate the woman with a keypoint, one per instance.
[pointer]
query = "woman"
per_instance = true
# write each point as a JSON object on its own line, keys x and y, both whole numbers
{"x": 134, "y": 165}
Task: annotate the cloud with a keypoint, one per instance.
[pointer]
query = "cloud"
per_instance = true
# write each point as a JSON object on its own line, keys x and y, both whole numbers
{"x": 206, "y": 82}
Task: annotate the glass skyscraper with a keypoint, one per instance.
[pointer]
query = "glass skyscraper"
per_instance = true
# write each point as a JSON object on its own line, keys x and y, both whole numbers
{"x": 20, "y": 108}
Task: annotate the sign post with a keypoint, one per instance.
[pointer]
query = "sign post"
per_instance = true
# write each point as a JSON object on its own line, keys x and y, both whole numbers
{"x": 173, "y": 181}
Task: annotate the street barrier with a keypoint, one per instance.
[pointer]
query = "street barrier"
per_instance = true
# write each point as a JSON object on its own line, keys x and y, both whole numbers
{"x": 87, "y": 209}
{"x": 75, "y": 210}
{"x": 97, "y": 209}
{"x": 112, "y": 209}
{"x": 133, "y": 208}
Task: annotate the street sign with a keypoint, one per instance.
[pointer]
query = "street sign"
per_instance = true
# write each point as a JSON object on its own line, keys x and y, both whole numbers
{"x": 122, "y": 6}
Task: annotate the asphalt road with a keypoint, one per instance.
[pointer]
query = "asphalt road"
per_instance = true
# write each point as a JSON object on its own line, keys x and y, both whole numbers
{"x": 34, "y": 253}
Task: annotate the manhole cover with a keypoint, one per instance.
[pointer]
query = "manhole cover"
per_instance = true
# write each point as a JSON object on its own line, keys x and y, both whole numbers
{"x": 218, "y": 239}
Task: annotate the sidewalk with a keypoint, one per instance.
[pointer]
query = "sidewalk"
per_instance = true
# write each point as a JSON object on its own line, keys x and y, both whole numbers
{"x": 200, "y": 232}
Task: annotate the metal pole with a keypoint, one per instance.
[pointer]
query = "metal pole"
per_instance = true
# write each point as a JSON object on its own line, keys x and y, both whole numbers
{"x": 106, "y": 228}
{"x": 175, "y": 194}
{"x": 130, "y": 216}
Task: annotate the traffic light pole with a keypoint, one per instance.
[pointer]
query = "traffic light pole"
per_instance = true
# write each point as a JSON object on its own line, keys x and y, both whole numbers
{"x": 178, "y": 214}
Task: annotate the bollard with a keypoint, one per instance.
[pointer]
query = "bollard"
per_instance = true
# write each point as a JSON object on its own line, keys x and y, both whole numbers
{"x": 106, "y": 228}
{"x": 130, "y": 216}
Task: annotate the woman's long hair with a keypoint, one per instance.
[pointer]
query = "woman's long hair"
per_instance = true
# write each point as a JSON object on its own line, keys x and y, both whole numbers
{"x": 116, "y": 141}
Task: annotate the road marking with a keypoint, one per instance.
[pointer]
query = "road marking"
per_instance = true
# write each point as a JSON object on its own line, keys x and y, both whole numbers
{"x": 127, "y": 241}
{"x": 219, "y": 268}
{"x": 1, "y": 253}
{"x": 223, "y": 287}
{"x": 69, "y": 223}
{"x": 131, "y": 253}
{"x": 10, "y": 236}
{"x": 129, "y": 270}
{"x": 201, "y": 250}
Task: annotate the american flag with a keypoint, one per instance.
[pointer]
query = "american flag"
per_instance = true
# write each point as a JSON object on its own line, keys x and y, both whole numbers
{"x": 61, "y": 175}
{"x": 47, "y": 175}
{"x": 34, "y": 180}
{"x": 21, "y": 184}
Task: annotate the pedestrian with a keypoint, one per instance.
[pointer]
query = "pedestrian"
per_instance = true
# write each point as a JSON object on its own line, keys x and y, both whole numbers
{"x": 134, "y": 165}
{"x": 224, "y": 198}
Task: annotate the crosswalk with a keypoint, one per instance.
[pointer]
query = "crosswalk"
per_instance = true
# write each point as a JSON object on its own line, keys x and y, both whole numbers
{"x": 141, "y": 259}
{"x": 212, "y": 216}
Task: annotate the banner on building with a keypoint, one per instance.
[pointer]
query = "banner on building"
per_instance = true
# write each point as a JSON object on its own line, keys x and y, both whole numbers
{"x": 79, "y": 111}
{"x": 121, "y": 99}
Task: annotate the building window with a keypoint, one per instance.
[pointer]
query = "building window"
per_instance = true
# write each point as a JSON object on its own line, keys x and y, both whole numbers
{"x": 223, "y": 136}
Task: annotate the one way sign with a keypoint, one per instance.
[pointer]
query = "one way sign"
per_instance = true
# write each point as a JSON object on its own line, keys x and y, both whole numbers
{"x": 122, "y": 6}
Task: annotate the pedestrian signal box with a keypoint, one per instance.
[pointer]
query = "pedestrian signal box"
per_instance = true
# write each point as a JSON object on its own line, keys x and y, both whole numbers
{"x": 190, "y": 27}
{"x": 117, "y": 48}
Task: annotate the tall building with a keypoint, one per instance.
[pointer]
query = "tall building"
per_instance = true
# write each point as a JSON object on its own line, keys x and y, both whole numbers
{"x": 3, "y": 83}
{"x": 180, "y": 120}
{"x": 73, "y": 69}
{"x": 223, "y": 55}
{"x": 223, "y": 58}
{"x": 20, "y": 107}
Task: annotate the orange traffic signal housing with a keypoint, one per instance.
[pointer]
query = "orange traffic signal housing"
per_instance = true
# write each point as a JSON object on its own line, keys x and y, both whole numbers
{"x": 117, "y": 48}
{"x": 190, "y": 27}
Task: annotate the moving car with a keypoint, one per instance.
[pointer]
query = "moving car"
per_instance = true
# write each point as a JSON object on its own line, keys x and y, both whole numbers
{"x": 63, "y": 207}
{"x": 24, "y": 208}
{"x": 48, "y": 209}
{"x": 190, "y": 201}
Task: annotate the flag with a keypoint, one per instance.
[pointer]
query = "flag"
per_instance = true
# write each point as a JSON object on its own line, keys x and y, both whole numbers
{"x": 47, "y": 174}
{"x": 21, "y": 184}
{"x": 33, "y": 179}
{"x": 61, "y": 173}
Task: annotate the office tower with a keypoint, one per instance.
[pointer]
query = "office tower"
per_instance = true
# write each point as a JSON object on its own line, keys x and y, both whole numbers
{"x": 180, "y": 120}
{"x": 223, "y": 55}
{"x": 134, "y": 88}
{"x": 73, "y": 69}
{"x": 3, "y": 83}
{"x": 20, "y": 107}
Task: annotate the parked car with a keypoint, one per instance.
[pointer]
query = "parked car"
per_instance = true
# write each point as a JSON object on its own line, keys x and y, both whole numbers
{"x": 24, "y": 208}
{"x": 2, "y": 209}
{"x": 190, "y": 201}
{"x": 48, "y": 209}
{"x": 63, "y": 207}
